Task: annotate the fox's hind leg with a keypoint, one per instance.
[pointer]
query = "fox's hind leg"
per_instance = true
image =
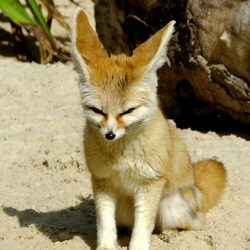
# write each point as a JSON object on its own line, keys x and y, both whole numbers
{"x": 181, "y": 209}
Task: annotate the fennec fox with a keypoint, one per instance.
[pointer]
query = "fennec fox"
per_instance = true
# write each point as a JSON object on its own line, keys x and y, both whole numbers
{"x": 142, "y": 176}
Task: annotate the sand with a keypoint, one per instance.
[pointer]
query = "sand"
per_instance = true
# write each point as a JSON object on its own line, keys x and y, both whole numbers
{"x": 45, "y": 191}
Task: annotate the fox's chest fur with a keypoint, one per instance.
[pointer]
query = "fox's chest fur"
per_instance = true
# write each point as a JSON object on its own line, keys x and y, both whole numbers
{"x": 135, "y": 159}
{"x": 125, "y": 167}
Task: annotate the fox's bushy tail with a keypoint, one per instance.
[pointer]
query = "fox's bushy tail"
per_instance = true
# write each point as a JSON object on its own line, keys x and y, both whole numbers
{"x": 210, "y": 179}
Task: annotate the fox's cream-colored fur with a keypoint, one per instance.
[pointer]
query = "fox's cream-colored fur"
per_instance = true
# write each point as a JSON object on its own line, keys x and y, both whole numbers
{"x": 142, "y": 176}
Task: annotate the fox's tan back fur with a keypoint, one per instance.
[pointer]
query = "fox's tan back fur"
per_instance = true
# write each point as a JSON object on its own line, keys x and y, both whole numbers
{"x": 142, "y": 176}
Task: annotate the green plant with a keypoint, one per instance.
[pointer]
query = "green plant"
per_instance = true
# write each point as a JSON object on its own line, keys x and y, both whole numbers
{"x": 31, "y": 18}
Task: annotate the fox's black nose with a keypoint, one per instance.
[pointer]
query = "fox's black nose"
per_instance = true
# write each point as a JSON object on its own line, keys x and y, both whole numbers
{"x": 110, "y": 135}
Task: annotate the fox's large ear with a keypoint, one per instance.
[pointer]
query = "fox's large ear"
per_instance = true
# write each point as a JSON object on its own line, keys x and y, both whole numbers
{"x": 152, "y": 54}
{"x": 87, "y": 47}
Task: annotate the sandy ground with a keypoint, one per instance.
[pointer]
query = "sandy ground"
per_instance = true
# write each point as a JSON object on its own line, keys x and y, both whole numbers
{"x": 45, "y": 190}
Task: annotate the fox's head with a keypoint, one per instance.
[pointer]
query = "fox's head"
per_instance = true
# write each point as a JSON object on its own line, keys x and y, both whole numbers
{"x": 118, "y": 92}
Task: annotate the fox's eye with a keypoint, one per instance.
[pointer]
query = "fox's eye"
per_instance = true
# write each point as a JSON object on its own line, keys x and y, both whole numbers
{"x": 97, "y": 111}
{"x": 128, "y": 111}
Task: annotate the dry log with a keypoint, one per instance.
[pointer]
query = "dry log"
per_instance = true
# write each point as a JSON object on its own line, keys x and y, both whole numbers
{"x": 209, "y": 53}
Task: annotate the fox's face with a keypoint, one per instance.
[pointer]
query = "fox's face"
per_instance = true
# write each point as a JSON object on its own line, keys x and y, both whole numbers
{"x": 113, "y": 100}
{"x": 118, "y": 92}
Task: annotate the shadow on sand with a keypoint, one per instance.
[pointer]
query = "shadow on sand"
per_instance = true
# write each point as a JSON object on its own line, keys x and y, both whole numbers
{"x": 63, "y": 224}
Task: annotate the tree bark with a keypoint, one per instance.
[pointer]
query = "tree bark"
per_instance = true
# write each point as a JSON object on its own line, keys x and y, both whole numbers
{"x": 209, "y": 52}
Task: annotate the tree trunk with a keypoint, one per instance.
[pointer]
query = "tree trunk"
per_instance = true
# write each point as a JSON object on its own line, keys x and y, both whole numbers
{"x": 209, "y": 52}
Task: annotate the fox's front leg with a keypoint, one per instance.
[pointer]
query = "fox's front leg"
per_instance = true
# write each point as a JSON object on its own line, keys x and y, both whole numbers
{"x": 105, "y": 203}
{"x": 146, "y": 205}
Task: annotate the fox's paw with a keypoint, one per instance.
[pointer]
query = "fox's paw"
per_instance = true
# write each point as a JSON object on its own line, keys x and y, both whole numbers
{"x": 107, "y": 245}
{"x": 113, "y": 247}
{"x": 139, "y": 245}
{"x": 107, "y": 240}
